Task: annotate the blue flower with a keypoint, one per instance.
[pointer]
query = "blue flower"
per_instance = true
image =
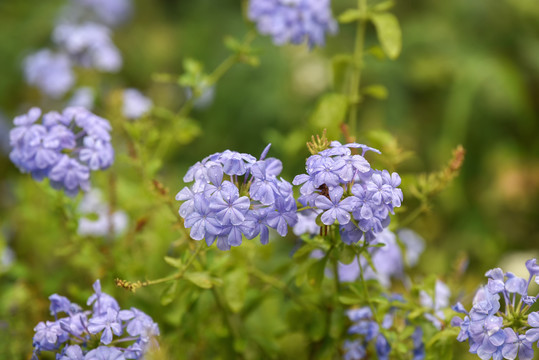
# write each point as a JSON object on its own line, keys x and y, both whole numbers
{"x": 72, "y": 352}
{"x": 64, "y": 147}
{"x": 135, "y": 105}
{"x": 107, "y": 323}
{"x": 105, "y": 353}
{"x": 89, "y": 44}
{"x": 106, "y": 11}
{"x": 49, "y": 335}
{"x": 293, "y": 21}
{"x": 49, "y": 72}
{"x": 369, "y": 195}
{"x": 202, "y": 220}
{"x": 336, "y": 210}
{"x": 387, "y": 261}
{"x": 224, "y": 211}
{"x": 500, "y": 331}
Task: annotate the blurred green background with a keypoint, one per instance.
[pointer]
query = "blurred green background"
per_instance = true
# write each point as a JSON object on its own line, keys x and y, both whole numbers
{"x": 468, "y": 74}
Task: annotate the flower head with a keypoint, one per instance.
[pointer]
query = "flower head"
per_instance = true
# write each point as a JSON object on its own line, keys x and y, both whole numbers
{"x": 64, "y": 147}
{"x": 49, "y": 72}
{"x": 293, "y": 21}
{"x": 499, "y": 325}
{"x": 349, "y": 192}
{"x": 72, "y": 337}
{"x": 236, "y": 196}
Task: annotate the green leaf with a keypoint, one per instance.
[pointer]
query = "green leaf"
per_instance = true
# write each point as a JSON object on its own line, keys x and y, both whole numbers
{"x": 383, "y": 6}
{"x": 346, "y": 253}
{"x": 329, "y": 113}
{"x": 350, "y": 15}
{"x": 315, "y": 274}
{"x": 174, "y": 262}
{"x": 232, "y": 43}
{"x": 376, "y": 91}
{"x": 169, "y": 294}
{"x": 186, "y": 130}
{"x": 350, "y": 300}
{"x": 305, "y": 250}
{"x": 389, "y": 33}
{"x": 235, "y": 289}
{"x": 200, "y": 279}
{"x": 340, "y": 64}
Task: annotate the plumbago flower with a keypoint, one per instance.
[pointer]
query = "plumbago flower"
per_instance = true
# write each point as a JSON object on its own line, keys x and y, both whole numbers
{"x": 135, "y": 105}
{"x": 50, "y": 72}
{"x": 64, "y": 147}
{"x": 349, "y": 192}
{"x": 234, "y": 195}
{"x": 388, "y": 261}
{"x": 85, "y": 335}
{"x": 104, "y": 222}
{"x": 293, "y": 21}
{"x": 89, "y": 45}
{"x": 496, "y": 331}
{"x": 368, "y": 331}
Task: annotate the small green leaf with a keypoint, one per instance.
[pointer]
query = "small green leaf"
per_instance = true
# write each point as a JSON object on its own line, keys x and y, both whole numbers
{"x": 169, "y": 294}
{"x": 232, "y": 43}
{"x": 383, "y": 6}
{"x": 350, "y": 15}
{"x": 376, "y": 91}
{"x": 389, "y": 33}
{"x": 315, "y": 274}
{"x": 346, "y": 254}
{"x": 305, "y": 250}
{"x": 329, "y": 113}
{"x": 350, "y": 300}
{"x": 200, "y": 279}
{"x": 236, "y": 283}
{"x": 340, "y": 64}
{"x": 377, "y": 52}
{"x": 174, "y": 262}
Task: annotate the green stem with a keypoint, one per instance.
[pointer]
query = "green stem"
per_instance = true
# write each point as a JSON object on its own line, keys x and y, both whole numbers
{"x": 414, "y": 215}
{"x": 230, "y": 61}
{"x": 366, "y": 289}
{"x": 357, "y": 66}
{"x": 176, "y": 276}
{"x": 231, "y": 328}
{"x": 276, "y": 283}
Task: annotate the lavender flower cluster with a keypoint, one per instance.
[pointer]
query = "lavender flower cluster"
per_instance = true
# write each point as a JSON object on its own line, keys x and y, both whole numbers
{"x": 109, "y": 12}
{"x": 369, "y": 195}
{"x": 369, "y": 330}
{"x": 89, "y": 45}
{"x": 81, "y": 40}
{"x": 496, "y": 331}
{"x": 234, "y": 195}
{"x": 63, "y": 147}
{"x": 293, "y": 21}
{"x": 90, "y": 334}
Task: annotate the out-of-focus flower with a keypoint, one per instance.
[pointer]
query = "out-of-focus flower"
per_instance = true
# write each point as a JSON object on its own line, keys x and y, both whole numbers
{"x": 89, "y": 44}
{"x": 110, "y": 12}
{"x": 135, "y": 105}
{"x": 83, "y": 97}
{"x": 105, "y": 223}
{"x": 49, "y": 72}
{"x": 293, "y": 21}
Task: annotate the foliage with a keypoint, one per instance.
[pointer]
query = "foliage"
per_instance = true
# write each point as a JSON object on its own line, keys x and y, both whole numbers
{"x": 412, "y": 81}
